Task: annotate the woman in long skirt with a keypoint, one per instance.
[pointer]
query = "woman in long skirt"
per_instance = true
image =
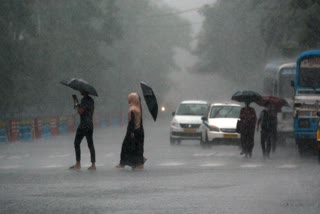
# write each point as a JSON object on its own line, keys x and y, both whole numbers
{"x": 248, "y": 119}
{"x": 133, "y": 143}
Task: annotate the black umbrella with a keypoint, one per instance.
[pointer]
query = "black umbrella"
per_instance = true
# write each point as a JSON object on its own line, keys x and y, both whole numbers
{"x": 80, "y": 85}
{"x": 150, "y": 99}
{"x": 246, "y": 96}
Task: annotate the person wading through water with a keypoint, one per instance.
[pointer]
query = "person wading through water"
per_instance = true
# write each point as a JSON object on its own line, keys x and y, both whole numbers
{"x": 248, "y": 120}
{"x": 268, "y": 122}
{"x": 133, "y": 144}
{"x": 85, "y": 129}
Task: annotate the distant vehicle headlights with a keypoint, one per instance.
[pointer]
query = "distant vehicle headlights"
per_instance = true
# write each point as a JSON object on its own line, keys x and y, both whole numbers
{"x": 175, "y": 124}
{"x": 214, "y": 128}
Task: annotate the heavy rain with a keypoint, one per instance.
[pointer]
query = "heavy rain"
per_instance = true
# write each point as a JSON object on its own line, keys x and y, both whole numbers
{"x": 160, "y": 106}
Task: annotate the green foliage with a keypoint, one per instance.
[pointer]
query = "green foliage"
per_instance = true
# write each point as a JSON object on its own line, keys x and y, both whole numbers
{"x": 239, "y": 37}
{"x": 111, "y": 44}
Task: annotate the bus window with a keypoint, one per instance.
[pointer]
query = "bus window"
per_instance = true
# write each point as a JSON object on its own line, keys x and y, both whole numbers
{"x": 310, "y": 72}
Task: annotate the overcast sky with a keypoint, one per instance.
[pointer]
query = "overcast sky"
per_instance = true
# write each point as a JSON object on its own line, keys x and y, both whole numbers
{"x": 193, "y": 16}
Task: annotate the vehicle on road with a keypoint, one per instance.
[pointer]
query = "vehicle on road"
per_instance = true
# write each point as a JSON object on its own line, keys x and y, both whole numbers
{"x": 219, "y": 125}
{"x": 187, "y": 120}
{"x": 307, "y": 101}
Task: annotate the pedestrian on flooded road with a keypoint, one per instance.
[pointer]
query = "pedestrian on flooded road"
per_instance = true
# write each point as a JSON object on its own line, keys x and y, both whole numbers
{"x": 85, "y": 129}
{"x": 133, "y": 144}
{"x": 267, "y": 120}
{"x": 248, "y": 120}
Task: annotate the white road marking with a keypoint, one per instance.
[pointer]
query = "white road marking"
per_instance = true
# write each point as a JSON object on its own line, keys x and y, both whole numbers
{"x": 250, "y": 165}
{"x": 212, "y": 164}
{"x": 287, "y": 166}
{"x": 171, "y": 164}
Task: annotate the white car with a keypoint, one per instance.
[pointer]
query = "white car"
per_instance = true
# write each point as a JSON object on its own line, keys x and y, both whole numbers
{"x": 220, "y": 124}
{"x": 187, "y": 120}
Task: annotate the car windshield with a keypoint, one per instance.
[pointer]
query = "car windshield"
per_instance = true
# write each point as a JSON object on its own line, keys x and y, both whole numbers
{"x": 225, "y": 112}
{"x": 192, "y": 109}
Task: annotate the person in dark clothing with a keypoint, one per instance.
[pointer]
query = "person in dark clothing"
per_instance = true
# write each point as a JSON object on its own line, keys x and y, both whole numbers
{"x": 274, "y": 128}
{"x": 133, "y": 144}
{"x": 85, "y": 129}
{"x": 268, "y": 122}
{"x": 248, "y": 120}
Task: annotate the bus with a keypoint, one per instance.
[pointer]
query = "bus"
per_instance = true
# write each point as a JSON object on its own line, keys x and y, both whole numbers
{"x": 276, "y": 82}
{"x": 307, "y": 100}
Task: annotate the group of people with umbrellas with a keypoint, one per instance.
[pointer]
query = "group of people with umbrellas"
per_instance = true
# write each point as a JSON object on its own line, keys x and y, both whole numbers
{"x": 133, "y": 144}
{"x": 267, "y": 120}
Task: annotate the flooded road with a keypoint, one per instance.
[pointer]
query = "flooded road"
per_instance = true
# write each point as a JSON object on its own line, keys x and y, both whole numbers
{"x": 34, "y": 178}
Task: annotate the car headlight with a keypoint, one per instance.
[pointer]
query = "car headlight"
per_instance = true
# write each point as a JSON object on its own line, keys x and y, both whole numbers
{"x": 214, "y": 128}
{"x": 174, "y": 123}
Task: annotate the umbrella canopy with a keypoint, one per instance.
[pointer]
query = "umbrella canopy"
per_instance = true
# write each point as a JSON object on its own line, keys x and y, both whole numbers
{"x": 150, "y": 99}
{"x": 274, "y": 101}
{"x": 80, "y": 85}
{"x": 246, "y": 96}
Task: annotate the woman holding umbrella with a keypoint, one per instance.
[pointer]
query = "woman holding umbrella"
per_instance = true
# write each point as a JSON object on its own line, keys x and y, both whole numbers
{"x": 133, "y": 143}
{"x": 248, "y": 120}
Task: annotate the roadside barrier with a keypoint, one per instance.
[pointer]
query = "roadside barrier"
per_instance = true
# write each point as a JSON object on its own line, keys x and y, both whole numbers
{"x": 3, "y": 132}
{"x": 54, "y": 126}
{"x": 46, "y": 128}
{"x": 71, "y": 123}
{"x": 38, "y": 128}
{"x": 63, "y": 125}
{"x": 103, "y": 122}
{"x": 25, "y": 130}
{"x": 14, "y": 131}
{"x": 115, "y": 122}
{"x": 29, "y": 129}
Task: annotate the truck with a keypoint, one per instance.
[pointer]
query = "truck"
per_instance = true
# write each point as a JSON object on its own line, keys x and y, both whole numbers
{"x": 306, "y": 101}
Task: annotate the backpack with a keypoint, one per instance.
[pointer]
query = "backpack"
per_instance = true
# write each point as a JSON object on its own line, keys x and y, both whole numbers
{"x": 265, "y": 120}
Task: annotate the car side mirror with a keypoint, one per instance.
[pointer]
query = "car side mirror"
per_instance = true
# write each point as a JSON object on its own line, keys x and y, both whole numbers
{"x": 173, "y": 113}
{"x": 292, "y": 83}
{"x": 204, "y": 118}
